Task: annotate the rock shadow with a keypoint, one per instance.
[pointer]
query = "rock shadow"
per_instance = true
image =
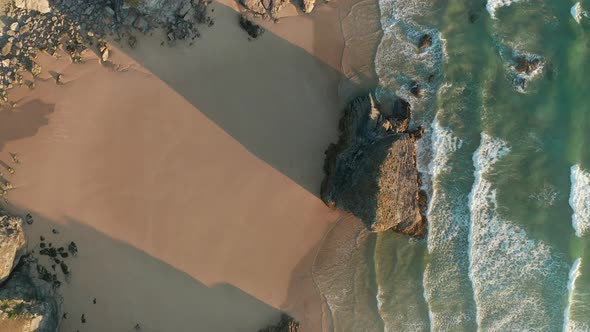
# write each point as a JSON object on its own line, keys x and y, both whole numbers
{"x": 131, "y": 286}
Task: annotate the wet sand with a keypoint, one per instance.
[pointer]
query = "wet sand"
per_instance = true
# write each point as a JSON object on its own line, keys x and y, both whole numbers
{"x": 193, "y": 201}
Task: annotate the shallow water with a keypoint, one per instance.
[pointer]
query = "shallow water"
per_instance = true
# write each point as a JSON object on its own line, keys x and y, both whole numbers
{"x": 506, "y": 161}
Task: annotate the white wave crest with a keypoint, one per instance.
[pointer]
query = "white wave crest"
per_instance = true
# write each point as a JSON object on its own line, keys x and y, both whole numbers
{"x": 578, "y": 12}
{"x": 580, "y": 199}
{"x": 493, "y": 5}
{"x": 443, "y": 144}
{"x": 506, "y": 266}
{"x": 570, "y": 326}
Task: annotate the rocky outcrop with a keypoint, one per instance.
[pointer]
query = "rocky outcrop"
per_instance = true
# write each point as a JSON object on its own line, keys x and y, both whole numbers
{"x": 307, "y": 5}
{"x": 28, "y": 304}
{"x": 286, "y": 324}
{"x": 527, "y": 66}
{"x": 265, "y": 8}
{"x": 12, "y": 244}
{"x": 424, "y": 42}
{"x": 371, "y": 172}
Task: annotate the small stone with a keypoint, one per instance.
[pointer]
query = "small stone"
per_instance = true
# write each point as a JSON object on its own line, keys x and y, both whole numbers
{"x": 73, "y": 248}
{"x": 83, "y": 319}
{"x": 132, "y": 41}
{"x": 6, "y": 49}
{"x": 55, "y": 231}
{"x": 94, "y": 301}
{"x": 14, "y": 27}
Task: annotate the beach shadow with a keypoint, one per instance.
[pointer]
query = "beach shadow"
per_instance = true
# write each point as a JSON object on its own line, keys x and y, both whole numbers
{"x": 279, "y": 116}
{"x": 23, "y": 120}
{"x": 131, "y": 286}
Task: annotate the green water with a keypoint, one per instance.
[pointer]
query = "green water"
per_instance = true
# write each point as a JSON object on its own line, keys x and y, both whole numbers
{"x": 498, "y": 162}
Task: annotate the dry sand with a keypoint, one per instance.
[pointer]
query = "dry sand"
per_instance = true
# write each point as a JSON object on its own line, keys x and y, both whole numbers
{"x": 188, "y": 176}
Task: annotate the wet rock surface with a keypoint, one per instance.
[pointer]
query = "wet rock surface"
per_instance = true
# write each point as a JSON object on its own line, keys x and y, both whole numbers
{"x": 371, "y": 172}
{"x": 286, "y": 324}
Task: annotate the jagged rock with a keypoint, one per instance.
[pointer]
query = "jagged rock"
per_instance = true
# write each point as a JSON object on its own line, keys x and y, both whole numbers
{"x": 41, "y": 6}
{"x": 525, "y": 65}
{"x": 307, "y": 5}
{"x": 286, "y": 324}
{"x": 27, "y": 303}
{"x": 371, "y": 172}
{"x": 424, "y": 42}
{"x": 265, "y": 7}
{"x": 12, "y": 244}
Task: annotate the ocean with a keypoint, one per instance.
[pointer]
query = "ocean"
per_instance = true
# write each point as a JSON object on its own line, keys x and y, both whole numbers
{"x": 506, "y": 162}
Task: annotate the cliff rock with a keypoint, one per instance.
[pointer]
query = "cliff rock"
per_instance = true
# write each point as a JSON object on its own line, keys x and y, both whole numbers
{"x": 12, "y": 244}
{"x": 371, "y": 172}
{"x": 27, "y": 304}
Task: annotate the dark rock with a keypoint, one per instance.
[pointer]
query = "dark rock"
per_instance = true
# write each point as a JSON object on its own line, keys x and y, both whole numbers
{"x": 416, "y": 89}
{"x": 286, "y": 324}
{"x": 371, "y": 172}
{"x": 73, "y": 248}
{"x": 252, "y": 29}
{"x": 424, "y": 42}
{"x": 524, "y": 65}
{"x": 83, "y": 319}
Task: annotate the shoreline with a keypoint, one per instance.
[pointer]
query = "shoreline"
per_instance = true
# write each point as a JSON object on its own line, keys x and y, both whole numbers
{"x": 69, "y": 164}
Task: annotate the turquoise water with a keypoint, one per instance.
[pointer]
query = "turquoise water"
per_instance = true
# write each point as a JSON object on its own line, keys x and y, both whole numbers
{"x": 506, "y": 161}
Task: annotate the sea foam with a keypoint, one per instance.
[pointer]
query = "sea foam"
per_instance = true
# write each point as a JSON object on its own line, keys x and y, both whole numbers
{"x": 580, "y": 199}
{"x": 568, "y": 325}
{"x": 509, "y": 271}
{"x": 493, "y": 5}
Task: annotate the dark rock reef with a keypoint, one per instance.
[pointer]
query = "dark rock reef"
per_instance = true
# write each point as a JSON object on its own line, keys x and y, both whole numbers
{"x": 286, "y": 324}
{"x": 371, "y": 172}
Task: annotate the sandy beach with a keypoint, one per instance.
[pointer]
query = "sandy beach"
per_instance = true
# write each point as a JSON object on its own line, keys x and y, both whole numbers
{"x": 188, "y": 180}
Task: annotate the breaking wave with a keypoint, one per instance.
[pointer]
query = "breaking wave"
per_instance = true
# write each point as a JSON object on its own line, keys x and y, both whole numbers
{"x": 580, "y": 199}
{"x": 516, "y": 279}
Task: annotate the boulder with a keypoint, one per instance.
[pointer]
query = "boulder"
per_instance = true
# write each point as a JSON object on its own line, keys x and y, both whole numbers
{"x": 424, "y": 42}
{"x": 27, "y": 303}
{"x": 41, "y": 6}
{"x": 371, "y": 172}
{"x": 307, "y": 5}
{"x": 12, "y": 244}
{"x": 527, "y": 66}
{"x": 264, "y": 7}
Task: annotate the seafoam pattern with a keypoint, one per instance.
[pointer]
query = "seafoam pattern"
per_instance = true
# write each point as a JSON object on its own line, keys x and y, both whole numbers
{"x": 570, "y": 325}
{"x": 580, "y": 199}
{"x": 517, "y": 281}
{"x": 493, "y": 5}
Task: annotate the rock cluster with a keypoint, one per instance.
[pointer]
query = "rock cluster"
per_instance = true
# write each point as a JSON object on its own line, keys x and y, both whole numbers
{"x": 27, "y": 303}
{"x": 79, "y": 25}
{"x": 371, "y": 172}
{"x": 271, "y": 8}
{"x": 251, "y": 28}
{"x": 286, "y": 324}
